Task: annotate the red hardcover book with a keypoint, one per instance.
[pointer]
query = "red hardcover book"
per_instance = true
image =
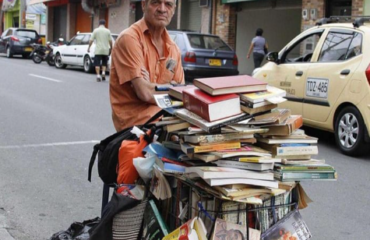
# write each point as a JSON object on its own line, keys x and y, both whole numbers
{"x": 211, "y": 108}
{"x": 230, "y": 84}
{"x": 176, "y": 91}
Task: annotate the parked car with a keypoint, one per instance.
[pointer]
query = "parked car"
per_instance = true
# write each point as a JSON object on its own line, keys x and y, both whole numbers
{"x": 15, "y": 41}
{"x": 204, "y": 55}
{"x": 74, "y": 52}
{"x": 326, "y": 73}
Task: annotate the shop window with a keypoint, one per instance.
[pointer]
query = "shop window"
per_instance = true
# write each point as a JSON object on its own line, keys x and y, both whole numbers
{"x": 16, "y": 21}
{"x": 338, "y": 8}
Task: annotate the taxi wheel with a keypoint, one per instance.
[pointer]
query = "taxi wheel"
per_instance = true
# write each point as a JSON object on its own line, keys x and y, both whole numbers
{"x": 350, "y": 131}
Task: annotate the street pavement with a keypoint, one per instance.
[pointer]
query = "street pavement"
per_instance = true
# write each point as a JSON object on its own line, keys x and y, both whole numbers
{"x": 50, "y": 120}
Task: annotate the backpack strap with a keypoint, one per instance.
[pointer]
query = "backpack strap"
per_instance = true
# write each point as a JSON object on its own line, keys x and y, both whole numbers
{"x": 107, "y": 140}
{"x": 155, "y": 116}
{"x": 92, "y": 160}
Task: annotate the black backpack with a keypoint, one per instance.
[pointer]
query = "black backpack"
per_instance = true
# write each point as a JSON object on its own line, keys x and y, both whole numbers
{"x": 107, "y": 151}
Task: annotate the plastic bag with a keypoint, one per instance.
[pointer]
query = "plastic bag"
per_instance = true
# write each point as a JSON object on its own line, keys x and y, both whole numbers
{"x": 77, "y": 231}
{"x": 144, "y": 166}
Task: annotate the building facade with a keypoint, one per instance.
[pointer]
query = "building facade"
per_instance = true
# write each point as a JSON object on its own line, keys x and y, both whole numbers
{"x": 235, "y": 21}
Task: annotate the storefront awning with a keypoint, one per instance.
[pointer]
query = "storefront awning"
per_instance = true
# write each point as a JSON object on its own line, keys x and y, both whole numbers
{"x": 38, "y": 1}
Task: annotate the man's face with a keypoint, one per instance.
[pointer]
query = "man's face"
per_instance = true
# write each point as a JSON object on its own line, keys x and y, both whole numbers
{"x": 158, "y": 13}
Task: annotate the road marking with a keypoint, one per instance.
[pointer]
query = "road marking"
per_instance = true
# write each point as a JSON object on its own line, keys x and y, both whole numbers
{"x": 48, "y": 144}
{"x": 46, "y": 78}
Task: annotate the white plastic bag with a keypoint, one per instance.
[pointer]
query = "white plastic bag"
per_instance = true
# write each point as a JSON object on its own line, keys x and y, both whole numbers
{"x": 144, "y": 166}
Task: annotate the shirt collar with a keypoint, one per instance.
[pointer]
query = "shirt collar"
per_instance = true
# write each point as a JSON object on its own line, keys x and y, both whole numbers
{"x": 143, "y": 28}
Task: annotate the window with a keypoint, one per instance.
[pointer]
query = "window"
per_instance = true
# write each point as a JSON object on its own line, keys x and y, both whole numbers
{"x": 340, "y": 46}
{"x": 86, "y": 39}
{"x": 302, "y": 50}
{"x": 207, "y": 42}
{"x": 9, "y": 33}
{"x": 29, "y": 34}
{"x": 77, "y": 40}
{"x": 179, "y": 40}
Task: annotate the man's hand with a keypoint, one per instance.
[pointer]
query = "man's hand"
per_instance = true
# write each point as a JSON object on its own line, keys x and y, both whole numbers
{"x": 88, "y": 50}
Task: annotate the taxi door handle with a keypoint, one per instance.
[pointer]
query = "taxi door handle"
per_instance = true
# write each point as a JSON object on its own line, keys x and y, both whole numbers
{"x": 299, "y": 73}
{"x": 345, "y": 72}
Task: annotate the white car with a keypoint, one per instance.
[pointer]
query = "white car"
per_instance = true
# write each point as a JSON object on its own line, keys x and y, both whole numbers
{"x": 74, "y": 53}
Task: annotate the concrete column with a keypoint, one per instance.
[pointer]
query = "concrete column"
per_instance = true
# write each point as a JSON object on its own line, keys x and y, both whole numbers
{"x": 121, "y": 17}
{"x": 366, "y": 7}
{"x": 206, "y": 21}
{"x": 71, "y": 20}
{"x": 225, "y": 23}
{"x": 49, "y": 24}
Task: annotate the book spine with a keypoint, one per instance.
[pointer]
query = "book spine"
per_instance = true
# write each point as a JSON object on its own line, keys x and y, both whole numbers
{"x": 295, "y": 123}
{"x": 195, "y": 105}
{"x": 232, "y": 121}
{"x": 305, "y": 168}
{"x": 159, "y": 218}
{"x": 211, "y": 148}
{"x": 305, "y": 175}
{"x": 173, "y": 168}
{"x": 234, "y": 164}
{"x": 301, "y": 150}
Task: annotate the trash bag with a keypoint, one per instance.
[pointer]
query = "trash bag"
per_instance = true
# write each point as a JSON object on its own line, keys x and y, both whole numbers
{"x": 77, "y": 231}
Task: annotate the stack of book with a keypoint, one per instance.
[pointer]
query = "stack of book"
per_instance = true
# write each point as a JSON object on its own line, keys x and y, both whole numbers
{"x": 229, "y": 139}
{"x": 285, "y": 140}
{"x": 304, "y": 170}
{"x": 262, "y": 101}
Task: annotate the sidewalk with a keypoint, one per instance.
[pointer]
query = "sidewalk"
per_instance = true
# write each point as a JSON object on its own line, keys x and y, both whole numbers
{"x": 4, "y": 235}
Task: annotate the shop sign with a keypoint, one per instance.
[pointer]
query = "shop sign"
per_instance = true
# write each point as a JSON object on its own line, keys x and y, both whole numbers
{"x": 43, "y": 19}
{"x": 30, "y": 16}
{"x": 8, "y": 4}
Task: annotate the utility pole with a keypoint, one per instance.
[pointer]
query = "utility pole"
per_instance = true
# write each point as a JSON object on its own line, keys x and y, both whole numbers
{"x": 23, "y": 9}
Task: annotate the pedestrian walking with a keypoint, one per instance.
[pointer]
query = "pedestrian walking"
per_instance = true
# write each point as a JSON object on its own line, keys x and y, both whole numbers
{"x": 143, "y": 57}
{"x": 259, "y": 47}
{"x": 103, "y": 46}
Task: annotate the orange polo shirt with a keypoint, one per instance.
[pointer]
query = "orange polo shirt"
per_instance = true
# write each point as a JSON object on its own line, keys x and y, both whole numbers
{"x": 133, "y": 50}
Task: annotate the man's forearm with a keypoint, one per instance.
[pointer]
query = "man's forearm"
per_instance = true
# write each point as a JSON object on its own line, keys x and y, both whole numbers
{"x": 144, "y": 89}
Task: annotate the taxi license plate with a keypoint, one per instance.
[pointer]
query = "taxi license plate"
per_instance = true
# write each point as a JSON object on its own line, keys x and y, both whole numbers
{"x": 214, "y": 62}
{"x": 28, "y": 49}
{"x": 317, "y": 87}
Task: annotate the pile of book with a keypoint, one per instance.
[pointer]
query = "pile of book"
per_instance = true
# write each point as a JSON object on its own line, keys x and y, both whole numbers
{"x": 230, "y": 139}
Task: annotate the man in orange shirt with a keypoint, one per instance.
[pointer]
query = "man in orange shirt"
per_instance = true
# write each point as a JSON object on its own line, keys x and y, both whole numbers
{"x": 143, "y": 57}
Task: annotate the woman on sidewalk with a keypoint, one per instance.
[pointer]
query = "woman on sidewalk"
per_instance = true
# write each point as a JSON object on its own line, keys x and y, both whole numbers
{"x": 259, "y": 48}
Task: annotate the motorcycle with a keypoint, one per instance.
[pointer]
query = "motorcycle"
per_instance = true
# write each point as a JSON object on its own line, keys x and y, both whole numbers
{"x": 45, "y": 53}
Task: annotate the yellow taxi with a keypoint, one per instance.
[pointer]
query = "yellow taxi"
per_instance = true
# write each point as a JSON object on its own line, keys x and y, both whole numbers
{"x": 326, "y": 73}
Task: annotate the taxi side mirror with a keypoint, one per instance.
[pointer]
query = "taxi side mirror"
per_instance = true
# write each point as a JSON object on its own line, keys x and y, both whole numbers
{"x": 273, "y": 57}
